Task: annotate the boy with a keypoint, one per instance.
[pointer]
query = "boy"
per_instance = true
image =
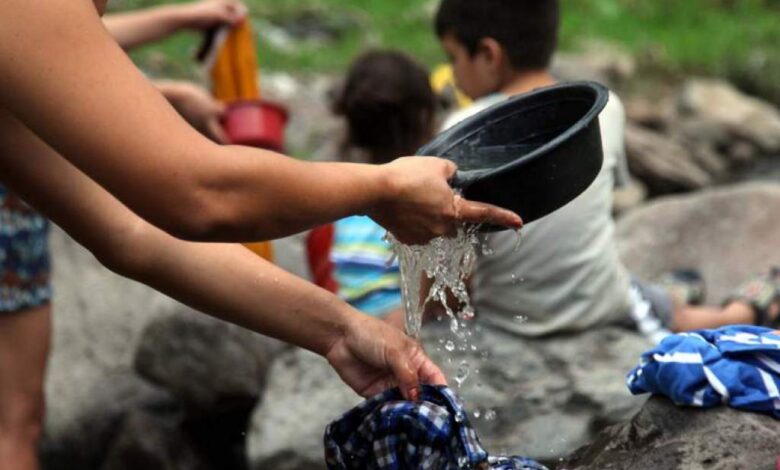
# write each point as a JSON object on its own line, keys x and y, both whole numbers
{"x": 565, "y": 275}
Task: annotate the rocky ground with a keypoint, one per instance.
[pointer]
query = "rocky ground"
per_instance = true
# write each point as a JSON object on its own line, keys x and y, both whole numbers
{"x": 138, "y": 381}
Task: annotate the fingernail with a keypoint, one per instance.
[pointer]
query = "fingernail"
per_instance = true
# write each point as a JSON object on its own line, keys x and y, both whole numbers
{"x": 414, "y": 394}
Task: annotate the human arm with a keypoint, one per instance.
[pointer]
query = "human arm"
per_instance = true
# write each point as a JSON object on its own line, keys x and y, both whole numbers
{"x": 226, "y": 281}
{"x": 136, "y": 28}
{"x": 97, "y": 110}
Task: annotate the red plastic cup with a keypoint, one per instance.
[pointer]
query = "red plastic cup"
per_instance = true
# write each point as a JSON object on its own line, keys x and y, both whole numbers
{"x": 256, "y": 123}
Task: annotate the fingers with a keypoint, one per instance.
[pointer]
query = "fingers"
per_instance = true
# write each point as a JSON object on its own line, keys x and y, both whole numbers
{"x": 481, "y": 213}
{"x": 406, "y": 377}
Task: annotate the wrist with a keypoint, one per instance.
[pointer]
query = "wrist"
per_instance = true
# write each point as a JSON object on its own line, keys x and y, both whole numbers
{"x": 178, "y": 16}
{"x": 384, "y": 185}
{"x": 338, "y": 324}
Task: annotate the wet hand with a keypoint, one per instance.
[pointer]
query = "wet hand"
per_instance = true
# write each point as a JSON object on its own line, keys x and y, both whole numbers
{"x": 372, "y": 356}
{"x": 421, "y": 204}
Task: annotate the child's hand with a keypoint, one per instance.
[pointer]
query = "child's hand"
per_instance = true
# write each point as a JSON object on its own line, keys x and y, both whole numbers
{"x": 371, "y": 356}
{"x": 197, "y": 107}
{"x": 421, "y": 205}
{"x": 206, "y": 14}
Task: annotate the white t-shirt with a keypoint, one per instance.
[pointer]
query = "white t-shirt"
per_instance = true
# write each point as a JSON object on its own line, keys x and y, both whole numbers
{"x": 565, "y": 274}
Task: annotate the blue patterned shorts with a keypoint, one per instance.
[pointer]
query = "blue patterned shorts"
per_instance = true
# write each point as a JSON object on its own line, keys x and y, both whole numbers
{"x": 24, "y": 255}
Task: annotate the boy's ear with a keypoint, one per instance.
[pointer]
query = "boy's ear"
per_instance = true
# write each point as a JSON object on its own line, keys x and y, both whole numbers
{"x": 492, "y": 51}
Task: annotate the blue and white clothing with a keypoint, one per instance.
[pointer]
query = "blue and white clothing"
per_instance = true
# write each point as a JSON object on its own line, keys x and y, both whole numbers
{"x": 361, "y": 266}
{"x": 387, "y": 432}
{"x": 24, "y": 255}
{"x": 737, "y": 366}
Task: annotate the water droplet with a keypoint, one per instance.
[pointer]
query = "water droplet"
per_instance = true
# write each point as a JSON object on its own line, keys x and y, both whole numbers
{"x": 477, "y": 413}
{"x": 490, "y": 415}
{"x": 459, "y": 417}
{"x": 519, "y": 239}
{"x": 521, "y": 318}
{"x": 449, "y": 346}
{"x": 463, "y": 373}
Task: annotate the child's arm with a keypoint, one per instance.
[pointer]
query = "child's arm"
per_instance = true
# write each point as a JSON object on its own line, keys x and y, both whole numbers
{"x": 66, "y": 79}
{"x": 227, "y": 281}
{"x": 133, "y": 29}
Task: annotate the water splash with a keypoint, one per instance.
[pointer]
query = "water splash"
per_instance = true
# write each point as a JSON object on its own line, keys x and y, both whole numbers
{"x": 445, "y": 263}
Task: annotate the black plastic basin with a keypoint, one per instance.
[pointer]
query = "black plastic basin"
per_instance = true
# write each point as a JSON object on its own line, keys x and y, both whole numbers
{"x": 532, "y": 153}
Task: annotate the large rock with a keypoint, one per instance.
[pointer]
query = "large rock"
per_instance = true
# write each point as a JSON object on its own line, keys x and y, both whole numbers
{"x": 542, "y": 398}
{"x": 668, "y": 437}
{"x": 545, "y": 397}
{"x": 98, "y": 320}
{"x": 303, "y": 396}
{"x": 606, "y": 63}
{"x": 744, "y": 117}
{"x": 147, "y": 440}
{"x": 728, "y": 234}
{"x": 208, "y": 364}
{"x": 661, "y": 163}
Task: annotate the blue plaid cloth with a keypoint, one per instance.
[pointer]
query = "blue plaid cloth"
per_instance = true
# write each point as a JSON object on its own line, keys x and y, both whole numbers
{"x": 736, "y": 365}
{"x": 387, "y": 432}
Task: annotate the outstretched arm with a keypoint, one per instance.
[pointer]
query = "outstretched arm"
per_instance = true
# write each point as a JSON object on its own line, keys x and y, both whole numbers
{"x": 136, "y": 28}
{"x": 66, "y": 79}
{"x": 227, "y": 281}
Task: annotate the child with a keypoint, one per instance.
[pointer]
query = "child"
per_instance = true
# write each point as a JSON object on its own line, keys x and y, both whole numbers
{"x": 566, "y": 275}
{"x": 389, "y": 107}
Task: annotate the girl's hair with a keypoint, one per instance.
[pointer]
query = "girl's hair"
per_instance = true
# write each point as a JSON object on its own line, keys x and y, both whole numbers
{"x": 388, "y": 104}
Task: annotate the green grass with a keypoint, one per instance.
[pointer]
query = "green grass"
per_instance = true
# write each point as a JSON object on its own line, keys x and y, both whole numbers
{"x": 737, "y": 39}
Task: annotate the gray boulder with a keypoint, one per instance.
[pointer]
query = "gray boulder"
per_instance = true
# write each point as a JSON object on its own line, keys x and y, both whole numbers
{"x": 545, "y": 397}
{"x": 742, "y": 116}
{"x": 207, "y": 364}
{"x": 665, "y": 436}
{"x": 663, "y": 164}
{"x": 98, "y": 320}
{"x": 542, "y": 398}
{"x": 728, "y": 234}
{"x": 303, "y": 396}
{"x": 147, "y": 440}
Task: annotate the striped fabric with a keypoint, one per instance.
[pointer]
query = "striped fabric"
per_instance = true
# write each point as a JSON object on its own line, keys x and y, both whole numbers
{"x": 360, "y": 259}
{"x": 738, "y": 366}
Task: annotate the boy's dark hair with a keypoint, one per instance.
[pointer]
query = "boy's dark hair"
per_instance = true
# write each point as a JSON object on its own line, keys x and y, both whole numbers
{"x": 388, "y": 103}
{"x": 527, "y": 29}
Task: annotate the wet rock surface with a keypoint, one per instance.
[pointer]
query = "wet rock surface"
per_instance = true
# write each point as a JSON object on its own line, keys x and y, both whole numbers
{"x": 665, "y": 436}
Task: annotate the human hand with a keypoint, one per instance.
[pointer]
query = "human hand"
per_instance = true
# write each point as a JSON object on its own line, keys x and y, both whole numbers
{"x": 371, "y": 356}
{"x": 205, "y": 14}
{"x": 396, "y": 318}
{"x": 197, "y": 107}
{"x": 421, "y": 204}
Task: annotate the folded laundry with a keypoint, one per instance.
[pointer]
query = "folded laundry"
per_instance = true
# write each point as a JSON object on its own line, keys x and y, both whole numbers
{"x": 736, "y": 365}
{"x": 387, "y": 432}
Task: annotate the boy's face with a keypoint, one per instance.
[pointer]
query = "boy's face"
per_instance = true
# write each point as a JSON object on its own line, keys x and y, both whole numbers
{"x": 476, "y": 75}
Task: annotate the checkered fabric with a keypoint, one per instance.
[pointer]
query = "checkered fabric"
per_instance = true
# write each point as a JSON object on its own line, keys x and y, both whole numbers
{"x": 387, "y": 432}
{"x": 737, "y": 366}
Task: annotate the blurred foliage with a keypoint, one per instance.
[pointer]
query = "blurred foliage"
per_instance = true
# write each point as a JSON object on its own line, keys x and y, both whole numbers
{"x": 737, "y": 39}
